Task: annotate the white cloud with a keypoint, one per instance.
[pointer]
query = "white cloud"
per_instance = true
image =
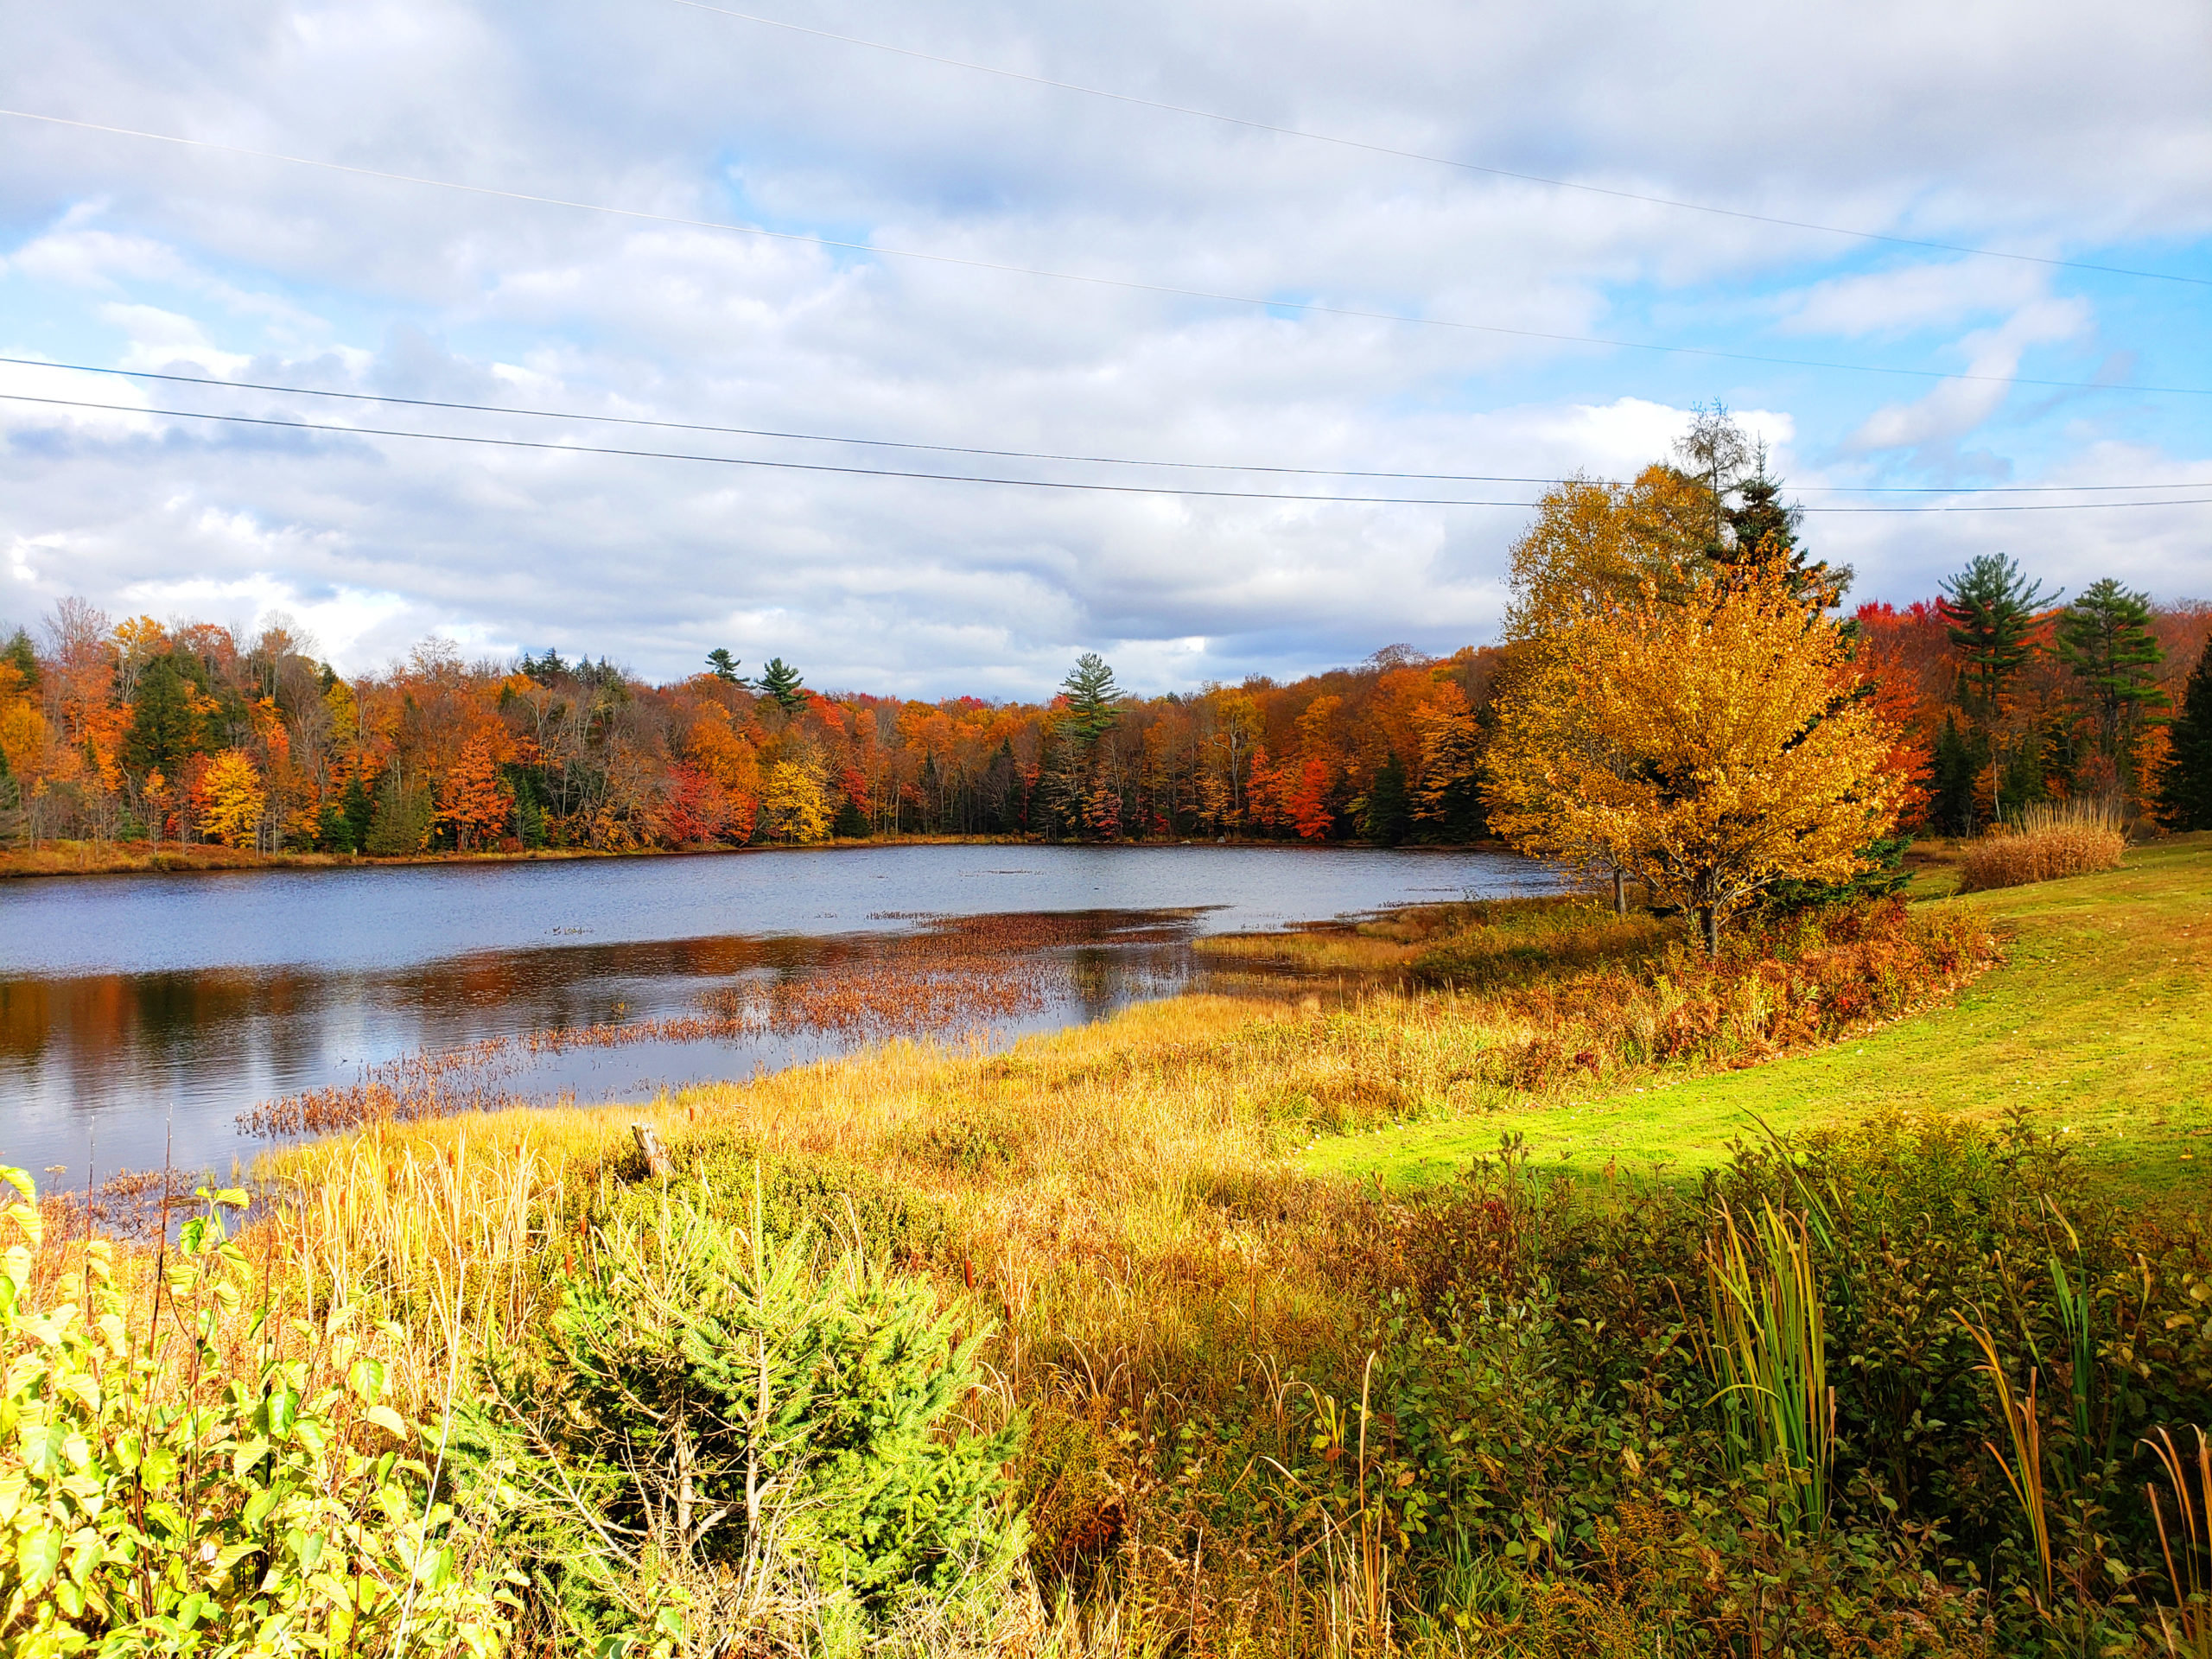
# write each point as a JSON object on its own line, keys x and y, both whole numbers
{"x": 1955, "y": 408}
{"x": 1917, "y": 296}
{"x": 1974, "y": 124}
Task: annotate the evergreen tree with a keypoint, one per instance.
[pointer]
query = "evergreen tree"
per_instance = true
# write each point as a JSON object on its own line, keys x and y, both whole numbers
{"x": 164, "y": 729}
{"x": 1003, "y": 806}
{"x": 1959, "y": 759}
{"x": 780, "y": 683}
{"x": 14, "y": 821}
{"x": 1092, "y": 694}
{"x": 400, "y": 824}
{"x": 931, "y": 787}
{"x": 724, "y": 665}
{"x": 2105, "y": 637}
{"x": 20, "y": 651}
{"x": 1081, "y": 796}
{"x": 1991, "y": 608}
{"x": 1764, "y": 528}
{"x": 2185, "y": 787}
{"x": 361, "y": 812}
{"x": 1386, "y": 812}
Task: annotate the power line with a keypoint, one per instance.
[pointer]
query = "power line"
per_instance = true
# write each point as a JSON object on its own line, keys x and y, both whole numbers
{"x": 1446, "y": 160}
{"x": 966, "y": 478}
{"x": 1026, "y": 455}
{"x": 1311, "y": 308}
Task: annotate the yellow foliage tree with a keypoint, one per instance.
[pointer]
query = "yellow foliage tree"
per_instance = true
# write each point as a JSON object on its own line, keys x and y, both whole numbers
{"x": 1709, "y": 747}
{"x": 1596, "y": 546}
{"x": 794, "y": 805}
{"x": 232, "y": 798}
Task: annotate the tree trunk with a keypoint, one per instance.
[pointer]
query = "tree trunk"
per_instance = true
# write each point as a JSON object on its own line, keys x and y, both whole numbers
{"x": 1708, "y": 922}
{"x": 1620, "y": 891}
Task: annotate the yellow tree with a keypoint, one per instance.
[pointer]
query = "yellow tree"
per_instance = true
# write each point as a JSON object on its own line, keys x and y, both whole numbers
{"x": 1595, "y": 545}
{"x": 232, "y": 798}
{"x": 794, "y": 805}
{"x": 1713, "y": 746}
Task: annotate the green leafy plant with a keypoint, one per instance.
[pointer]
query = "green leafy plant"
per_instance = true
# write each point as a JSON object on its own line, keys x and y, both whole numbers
{"x": 224, "y": 1482}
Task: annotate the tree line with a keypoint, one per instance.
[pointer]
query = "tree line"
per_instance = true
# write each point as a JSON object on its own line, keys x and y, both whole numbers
{"x": 1985, "y": 698}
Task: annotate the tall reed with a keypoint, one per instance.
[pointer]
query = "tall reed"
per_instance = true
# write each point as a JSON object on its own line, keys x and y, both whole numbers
{"x": 2186, "y": 1627}
{"x": 2024, "y": 1471}
{"x": 1767, "y": 1346}
{"x": 2050, "y": 841}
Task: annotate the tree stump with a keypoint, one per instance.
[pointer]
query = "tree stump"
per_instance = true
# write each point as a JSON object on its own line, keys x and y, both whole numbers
{"x": 657, "y": 1163}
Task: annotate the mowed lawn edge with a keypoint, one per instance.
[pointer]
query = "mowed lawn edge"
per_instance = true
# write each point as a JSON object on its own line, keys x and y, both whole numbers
{"x": 2097, "y": 1028}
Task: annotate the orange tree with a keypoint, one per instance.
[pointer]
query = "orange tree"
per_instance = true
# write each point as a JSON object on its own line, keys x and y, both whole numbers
{"x": 1711, "y": 746}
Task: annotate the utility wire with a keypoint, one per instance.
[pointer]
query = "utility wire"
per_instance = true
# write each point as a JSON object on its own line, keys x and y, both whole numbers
{"x": 1029, "y": 455}
{"x": 1446, "y": 160}
{"x": 967, "y": 478}
{"x": 1127, "y": 284}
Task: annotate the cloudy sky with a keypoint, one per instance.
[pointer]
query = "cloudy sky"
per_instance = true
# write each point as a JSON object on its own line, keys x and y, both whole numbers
{"x": 1410, "y": 317}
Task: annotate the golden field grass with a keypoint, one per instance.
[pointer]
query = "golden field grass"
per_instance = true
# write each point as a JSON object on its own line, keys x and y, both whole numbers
{"x": 1188, "y": 1213}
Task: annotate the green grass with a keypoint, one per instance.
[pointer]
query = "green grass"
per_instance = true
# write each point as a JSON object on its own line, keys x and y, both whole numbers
{"x": 2098, "y": 1025}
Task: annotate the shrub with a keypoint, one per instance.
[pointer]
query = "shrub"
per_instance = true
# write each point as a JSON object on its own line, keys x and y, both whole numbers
{"x": 158, "y": 1496}
{"x": 753, "y": 1430}
{"x": 2073, "y": 838}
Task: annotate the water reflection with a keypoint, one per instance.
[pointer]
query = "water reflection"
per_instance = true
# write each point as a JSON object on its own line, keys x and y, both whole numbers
{"x": 329, "y": 976}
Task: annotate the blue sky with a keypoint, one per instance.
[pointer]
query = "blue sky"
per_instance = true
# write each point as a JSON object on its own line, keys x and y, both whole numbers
{"x": 2037, "y": 129}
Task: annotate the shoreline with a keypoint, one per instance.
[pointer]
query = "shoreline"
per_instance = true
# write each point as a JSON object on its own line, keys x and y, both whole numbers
{"x": 146, "y": 858}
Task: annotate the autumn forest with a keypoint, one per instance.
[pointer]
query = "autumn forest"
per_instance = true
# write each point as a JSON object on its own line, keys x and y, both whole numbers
{"x": 1997, "y": 695}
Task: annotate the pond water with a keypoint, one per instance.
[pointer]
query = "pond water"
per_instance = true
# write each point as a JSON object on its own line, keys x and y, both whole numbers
{"x": 140, "y": 1013}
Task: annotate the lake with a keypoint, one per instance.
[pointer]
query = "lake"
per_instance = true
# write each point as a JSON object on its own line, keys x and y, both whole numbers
{"x": 141, "y": 1011}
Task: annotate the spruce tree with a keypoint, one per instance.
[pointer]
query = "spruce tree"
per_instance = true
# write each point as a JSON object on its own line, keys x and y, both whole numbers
{"x": 2105, "y": 637}
{"x": 1386, "y": 810}
{"x": 164, "y": 728}
{"x": 2185, "y": 787}
{"x": 1762, "y": 527}
{"x": 13, "y": 820}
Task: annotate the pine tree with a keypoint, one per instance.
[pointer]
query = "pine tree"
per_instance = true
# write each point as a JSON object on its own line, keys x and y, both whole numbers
{"x": 780, "y": 683}
{"x": 1082, "y": 794}
{"x": 724, "y": 665}
{"x": 2185, "y": 787}
{"x": 1958, "y": 763}
{"x": 1991, "y": 608}
{"x": 1092, "y": 694}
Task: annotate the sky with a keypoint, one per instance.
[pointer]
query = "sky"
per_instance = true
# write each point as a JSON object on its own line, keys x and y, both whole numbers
{"x": 1249, "y": 299}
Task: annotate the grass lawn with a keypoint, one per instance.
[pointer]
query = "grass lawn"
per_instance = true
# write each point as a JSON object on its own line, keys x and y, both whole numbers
{"x": 2098, "y": 1025}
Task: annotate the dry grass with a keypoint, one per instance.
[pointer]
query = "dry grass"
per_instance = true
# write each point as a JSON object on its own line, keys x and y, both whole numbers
{"x": 2072, "y": 838}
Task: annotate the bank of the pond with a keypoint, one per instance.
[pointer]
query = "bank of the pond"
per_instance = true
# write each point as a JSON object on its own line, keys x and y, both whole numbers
{"x": 2093, "y": 1028}
{"x": 146, "y": 858}
{"x": 138, "y": 1016}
